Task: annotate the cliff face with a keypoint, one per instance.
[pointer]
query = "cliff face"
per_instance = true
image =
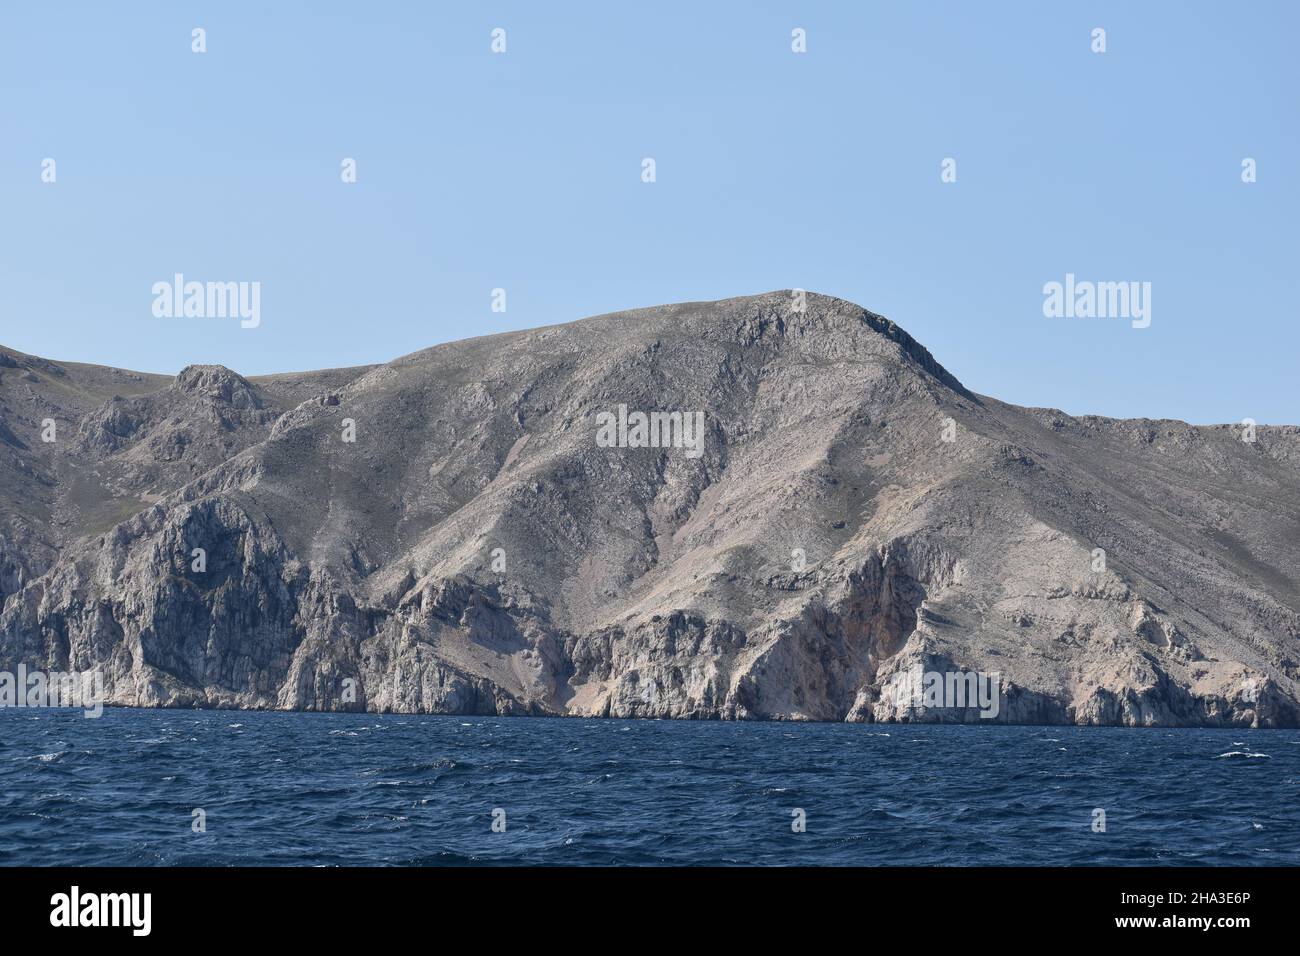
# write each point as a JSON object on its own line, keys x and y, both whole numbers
{"x": 465, "y": 530}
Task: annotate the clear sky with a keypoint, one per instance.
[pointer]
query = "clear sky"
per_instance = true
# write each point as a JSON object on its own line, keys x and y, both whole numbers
{"x": 774, "y": 169}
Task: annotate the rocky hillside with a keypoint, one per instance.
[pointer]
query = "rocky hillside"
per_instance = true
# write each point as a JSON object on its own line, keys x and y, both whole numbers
{"x": 472, "y": 529}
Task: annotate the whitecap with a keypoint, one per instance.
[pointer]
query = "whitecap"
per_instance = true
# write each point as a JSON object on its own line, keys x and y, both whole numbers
{"x": 1239, "y": 753}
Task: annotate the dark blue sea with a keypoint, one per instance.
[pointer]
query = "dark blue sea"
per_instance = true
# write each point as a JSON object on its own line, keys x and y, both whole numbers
{"x": 354, "y": 789}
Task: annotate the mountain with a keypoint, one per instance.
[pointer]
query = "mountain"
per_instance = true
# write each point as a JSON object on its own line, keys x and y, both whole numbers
{"x": 471, "y": 529}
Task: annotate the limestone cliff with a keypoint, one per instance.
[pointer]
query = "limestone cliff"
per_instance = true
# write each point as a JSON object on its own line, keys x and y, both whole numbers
{"x": 445, "y": 533}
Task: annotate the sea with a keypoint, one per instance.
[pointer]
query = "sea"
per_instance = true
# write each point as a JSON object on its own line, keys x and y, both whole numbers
{"x": 234, "y": 788}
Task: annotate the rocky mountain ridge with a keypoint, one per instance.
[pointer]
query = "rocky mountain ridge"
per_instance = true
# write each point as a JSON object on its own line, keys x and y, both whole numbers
{"x": 444, "y": 533}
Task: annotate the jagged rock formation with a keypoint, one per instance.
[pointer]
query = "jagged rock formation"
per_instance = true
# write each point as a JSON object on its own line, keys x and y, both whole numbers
{"x": 475, "y": 549}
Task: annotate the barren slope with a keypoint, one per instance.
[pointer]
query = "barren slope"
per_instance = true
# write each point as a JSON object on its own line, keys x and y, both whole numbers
{"x": 475, "y": 549}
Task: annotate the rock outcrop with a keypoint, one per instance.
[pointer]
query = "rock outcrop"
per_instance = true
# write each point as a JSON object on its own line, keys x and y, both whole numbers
{"x": 484, "y": 528}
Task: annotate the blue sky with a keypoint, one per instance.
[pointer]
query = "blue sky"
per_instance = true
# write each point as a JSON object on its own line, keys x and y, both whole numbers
{"x": 774, "y": 169}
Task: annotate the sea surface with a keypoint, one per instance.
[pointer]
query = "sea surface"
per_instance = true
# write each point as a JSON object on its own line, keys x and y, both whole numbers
{"x": 364, "y": 789}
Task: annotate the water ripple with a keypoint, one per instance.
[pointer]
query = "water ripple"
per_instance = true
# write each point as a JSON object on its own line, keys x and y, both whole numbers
{"x": 339, "y": 789}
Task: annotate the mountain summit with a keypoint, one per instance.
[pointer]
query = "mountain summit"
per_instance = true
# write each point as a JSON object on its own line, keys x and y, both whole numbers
{"x": 735, "y": 509}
